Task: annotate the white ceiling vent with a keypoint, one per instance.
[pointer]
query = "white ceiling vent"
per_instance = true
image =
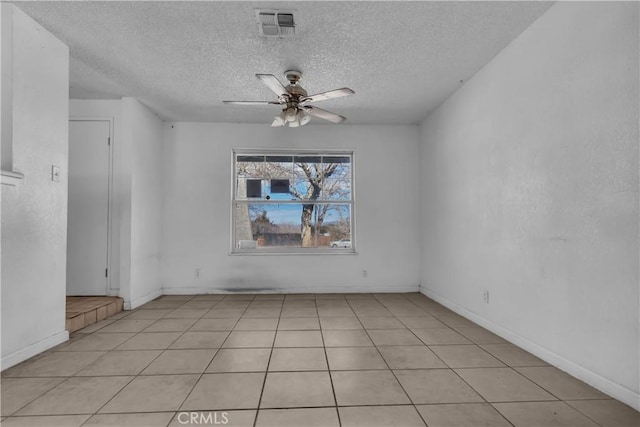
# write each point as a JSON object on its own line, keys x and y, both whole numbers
{"x": 276, "y": 23}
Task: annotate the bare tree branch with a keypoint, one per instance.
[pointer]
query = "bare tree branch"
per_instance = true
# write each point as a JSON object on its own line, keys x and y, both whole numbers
{"x": 329, "y": 170}
{"x": 306, "y": 170}
{"x": 294, "y": 192}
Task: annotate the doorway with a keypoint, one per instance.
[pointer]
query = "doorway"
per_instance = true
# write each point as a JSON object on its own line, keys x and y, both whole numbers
{"x": 88, "y": 212}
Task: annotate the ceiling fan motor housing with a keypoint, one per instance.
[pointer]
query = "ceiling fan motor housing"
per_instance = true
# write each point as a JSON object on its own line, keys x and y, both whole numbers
{"x": 293, "y": 76}
{"x": 295, "y": 91}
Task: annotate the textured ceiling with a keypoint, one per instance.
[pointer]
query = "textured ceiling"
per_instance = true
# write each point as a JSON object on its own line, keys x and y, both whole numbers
{"x": 183, "y": 58}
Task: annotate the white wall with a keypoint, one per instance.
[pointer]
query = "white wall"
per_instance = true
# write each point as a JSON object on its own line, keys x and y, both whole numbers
{"x": 34, "y": 212}
{"x": 529, "y": 179}
{"x": 136, "y": 196}
{"x": 144, "y": 131}
{"x": 197, "y": 171}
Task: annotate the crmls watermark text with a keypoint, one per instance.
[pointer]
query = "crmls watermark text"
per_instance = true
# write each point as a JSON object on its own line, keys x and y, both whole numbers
{"x": 203, "y": 418}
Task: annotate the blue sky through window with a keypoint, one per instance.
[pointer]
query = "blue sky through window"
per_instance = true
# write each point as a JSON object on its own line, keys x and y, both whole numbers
{"x": 291, "y": 213}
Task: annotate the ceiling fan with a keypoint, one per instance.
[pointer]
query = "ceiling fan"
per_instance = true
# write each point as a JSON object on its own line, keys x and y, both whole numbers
{"x": 295, "y": 102}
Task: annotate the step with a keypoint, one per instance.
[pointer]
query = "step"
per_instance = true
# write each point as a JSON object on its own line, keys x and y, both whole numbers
{"x": 83, "y": 311}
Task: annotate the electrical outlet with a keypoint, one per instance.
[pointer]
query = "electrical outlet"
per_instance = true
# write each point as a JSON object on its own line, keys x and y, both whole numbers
{"x": 55, "y": 174}
{"x": 197, "y": 273}
{"x": 485, "y": 296}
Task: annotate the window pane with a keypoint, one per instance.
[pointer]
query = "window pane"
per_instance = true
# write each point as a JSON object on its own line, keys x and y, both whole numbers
{"x": 265, "y": 225}
{"x": 275, "y": 167}
{"x": 307, "y": 167}
{"x": 250, "y": 166}
{"x": 250, "y": 159}
{"x": 333, "y": 222}
{"x": 303, "y": 189}
{"x": 279, "y": 159}
{"x": 278, "y": 167}
{"x": 336, "y": 159}
{"x": 311, "y": 177}
{"x": 308, "y": 159}
{"x": 340, "y": 167}
{"x": 337, "y": 189}
{"x": 268, "y": 225}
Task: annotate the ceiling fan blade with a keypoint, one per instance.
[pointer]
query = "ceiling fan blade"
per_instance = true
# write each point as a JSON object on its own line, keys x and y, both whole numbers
{"x": 327, "y": 95}
{"x": 251, "y": 102}
{"x": 273, "y": 83}
{"x": 324, "y": 114}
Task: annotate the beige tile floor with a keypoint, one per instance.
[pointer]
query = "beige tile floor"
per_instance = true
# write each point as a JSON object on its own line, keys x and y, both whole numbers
{"x": 297, "y": 360}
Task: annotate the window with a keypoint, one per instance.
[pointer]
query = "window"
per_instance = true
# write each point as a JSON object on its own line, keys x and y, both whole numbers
{"x": 292, "y": 202}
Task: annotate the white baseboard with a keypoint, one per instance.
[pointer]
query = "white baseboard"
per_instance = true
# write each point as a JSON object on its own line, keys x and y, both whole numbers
{"x": 596, "y": 381}
{"x": 297, "y": 290}
{"x": 33, "y": 349}
{"x": 130, "y": 305}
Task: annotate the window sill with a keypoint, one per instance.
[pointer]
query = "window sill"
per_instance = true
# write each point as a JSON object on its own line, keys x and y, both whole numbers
{"x": 11, "y": 178}
{"x": 283, "y": 251}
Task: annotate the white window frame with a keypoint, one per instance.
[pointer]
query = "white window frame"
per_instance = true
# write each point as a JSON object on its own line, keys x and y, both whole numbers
{"x": 251, "y": 250}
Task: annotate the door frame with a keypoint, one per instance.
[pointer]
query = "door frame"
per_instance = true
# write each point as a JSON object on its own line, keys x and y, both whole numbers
{"x": 108, "y": 290}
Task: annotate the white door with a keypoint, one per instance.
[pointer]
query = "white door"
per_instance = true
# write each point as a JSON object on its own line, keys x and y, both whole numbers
{"x": 87, "y": 227}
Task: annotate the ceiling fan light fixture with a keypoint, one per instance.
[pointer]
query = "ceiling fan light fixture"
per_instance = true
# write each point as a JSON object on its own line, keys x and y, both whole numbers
{"x": 294, "y": 124}
{"x": 279, "y": 120}
{"x": 291, "y": 117}
{"x": 290, "y": 114}
{"x": 304, "y": 117}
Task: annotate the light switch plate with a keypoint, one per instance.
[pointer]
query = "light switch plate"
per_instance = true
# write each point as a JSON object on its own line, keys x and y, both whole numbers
{"x": 55, "y": 173}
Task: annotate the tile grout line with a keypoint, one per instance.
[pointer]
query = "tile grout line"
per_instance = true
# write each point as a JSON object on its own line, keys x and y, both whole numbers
{"x": 195, "y": 384}
{"x": 584, "y": 414}
{"x": 106, "y": 352}
{"x": 36, "y": 398}
{"x": 449, "y": 367}
{"x": 266, "y": 371}
{"x": 139, "y": 373}
{"x": 326, "y": 356}
{"x": 74, "y": 375}
{"x": 391, "y": 370}
{"x": 558, "y": 399}
{"x": 394, "y": 306}
{"x": 446, "y": 364}
{"x": 463, "y": 380}
{"x": 162, "y": 351}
